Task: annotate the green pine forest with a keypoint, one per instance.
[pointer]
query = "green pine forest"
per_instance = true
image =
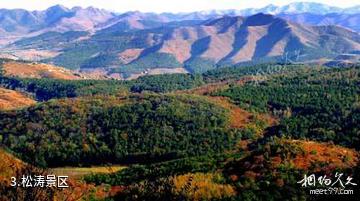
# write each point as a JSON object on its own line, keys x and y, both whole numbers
{"x": 177, "y": 144}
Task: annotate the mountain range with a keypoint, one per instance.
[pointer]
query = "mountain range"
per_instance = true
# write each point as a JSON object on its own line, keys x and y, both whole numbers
{"x": 124, "y": 44}
{"x": 61, "y": 19}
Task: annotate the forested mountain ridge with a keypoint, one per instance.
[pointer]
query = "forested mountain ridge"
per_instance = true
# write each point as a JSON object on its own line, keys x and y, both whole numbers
{"x": 178, "y": 132}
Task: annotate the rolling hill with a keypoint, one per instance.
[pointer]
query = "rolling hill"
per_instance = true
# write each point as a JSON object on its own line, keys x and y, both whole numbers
{"x": 37, "y": 70}
{"x": 10, "y": 165}
{"x": 10, "y": 99}
{"x": 188, "y": 137}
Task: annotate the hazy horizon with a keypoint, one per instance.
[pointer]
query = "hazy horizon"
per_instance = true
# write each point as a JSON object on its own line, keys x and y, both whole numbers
{"x": 160, "y": 6}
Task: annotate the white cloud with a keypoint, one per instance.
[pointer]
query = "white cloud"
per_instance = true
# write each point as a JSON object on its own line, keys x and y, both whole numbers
{"x": 160, "y": 5}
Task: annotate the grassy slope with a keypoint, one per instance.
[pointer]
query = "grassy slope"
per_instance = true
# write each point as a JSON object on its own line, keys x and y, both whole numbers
{"x": 37, "y": 70}
{"x": 10, "y": 99}
{"x": 9, "y": 165}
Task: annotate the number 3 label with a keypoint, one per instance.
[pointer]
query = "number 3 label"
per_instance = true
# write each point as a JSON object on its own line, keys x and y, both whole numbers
{"x": 13, "y": 181}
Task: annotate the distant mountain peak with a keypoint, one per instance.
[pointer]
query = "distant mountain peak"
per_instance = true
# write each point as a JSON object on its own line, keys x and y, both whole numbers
{"x": 76, "y": 8}
{"x": 92, "y": 9}
{"x": 260, "y": 19}
{"x": 58, "y": 7}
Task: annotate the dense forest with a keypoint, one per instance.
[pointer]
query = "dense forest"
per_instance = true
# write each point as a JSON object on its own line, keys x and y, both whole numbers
{"x": 267, "y": 172}
{"x": 46, "y": 89}
{"x": 101, "y": 130}
{"x": 182, "y": 146}
{"x": 166, "y": 83}
{"x": 322, "y": 104}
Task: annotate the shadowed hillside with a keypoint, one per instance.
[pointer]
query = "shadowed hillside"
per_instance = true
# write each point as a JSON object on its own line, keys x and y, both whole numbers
{"x": 133, "y": 45}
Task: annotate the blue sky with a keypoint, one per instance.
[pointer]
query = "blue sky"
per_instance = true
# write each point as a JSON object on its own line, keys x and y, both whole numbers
{"x": 162, "y": 5}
